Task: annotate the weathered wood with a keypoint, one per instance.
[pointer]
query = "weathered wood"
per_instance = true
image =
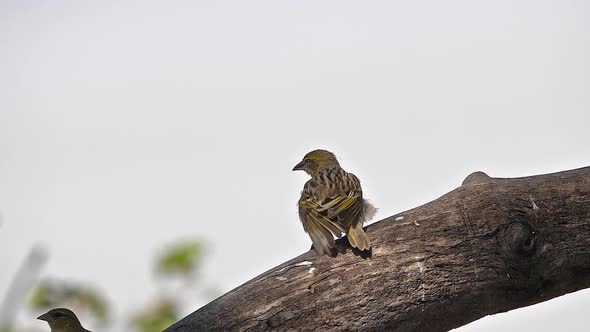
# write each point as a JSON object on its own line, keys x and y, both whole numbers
{"x": 489, "y": 246}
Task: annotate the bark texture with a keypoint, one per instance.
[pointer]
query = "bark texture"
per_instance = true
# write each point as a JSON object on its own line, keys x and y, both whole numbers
{"x": 489, "y": 246}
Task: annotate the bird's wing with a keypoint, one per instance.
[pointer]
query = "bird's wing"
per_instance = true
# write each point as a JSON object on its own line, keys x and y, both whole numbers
{"x": 348, "y": 211}
{"x": 311, "y": 209}
{"x": 316, "y": 223}
{"x": 346, "y": 207}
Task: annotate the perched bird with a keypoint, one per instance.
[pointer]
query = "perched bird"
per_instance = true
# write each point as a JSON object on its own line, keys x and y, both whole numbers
{"x": 332, "y": 203}
{"x": 62, "y": 320}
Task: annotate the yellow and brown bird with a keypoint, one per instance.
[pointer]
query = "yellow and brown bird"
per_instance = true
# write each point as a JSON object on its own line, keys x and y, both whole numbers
{"x": 62, "y": 320}
{"x": 332, "y": 203}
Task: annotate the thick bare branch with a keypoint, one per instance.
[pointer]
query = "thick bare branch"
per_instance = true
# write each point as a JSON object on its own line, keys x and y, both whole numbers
{"x": 489, "y": 246}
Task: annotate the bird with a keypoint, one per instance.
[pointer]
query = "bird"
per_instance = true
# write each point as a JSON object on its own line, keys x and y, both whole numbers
{"x": 62, "y": 320}
{"x": 332, "y": 203}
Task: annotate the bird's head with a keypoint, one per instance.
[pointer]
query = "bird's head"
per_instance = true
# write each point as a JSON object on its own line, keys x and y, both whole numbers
{"x": 61, "y": 319}
{"x": 317, "y": 160}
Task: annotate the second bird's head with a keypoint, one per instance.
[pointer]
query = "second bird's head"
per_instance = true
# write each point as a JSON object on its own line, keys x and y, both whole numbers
{"x": 61, "y": 319}
{"x": 317, "y": 160}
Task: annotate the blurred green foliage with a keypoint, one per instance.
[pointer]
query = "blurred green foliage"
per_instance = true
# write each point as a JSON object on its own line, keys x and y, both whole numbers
{"x": 156, "y": 318}
{"x": 180, "y": 259}
{"x": 51, "y": 294}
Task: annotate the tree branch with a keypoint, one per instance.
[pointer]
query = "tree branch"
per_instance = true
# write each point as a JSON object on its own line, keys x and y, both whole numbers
{"x": 489, "y": 246}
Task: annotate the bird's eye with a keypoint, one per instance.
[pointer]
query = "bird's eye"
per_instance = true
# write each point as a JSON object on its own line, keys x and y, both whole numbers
{"x": 58, "y": 314}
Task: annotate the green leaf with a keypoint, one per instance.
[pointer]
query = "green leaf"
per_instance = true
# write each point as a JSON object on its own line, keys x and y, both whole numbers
{"x": 181, "y": 259}
{"x": 157, "y": 318}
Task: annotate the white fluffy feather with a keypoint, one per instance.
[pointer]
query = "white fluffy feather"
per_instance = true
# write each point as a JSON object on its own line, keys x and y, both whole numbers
{"x": 369, "y": 210}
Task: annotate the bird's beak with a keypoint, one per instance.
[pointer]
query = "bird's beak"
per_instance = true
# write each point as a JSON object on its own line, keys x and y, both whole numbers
{"x": 300, "y": 166}
{"x": 46, "y": 317}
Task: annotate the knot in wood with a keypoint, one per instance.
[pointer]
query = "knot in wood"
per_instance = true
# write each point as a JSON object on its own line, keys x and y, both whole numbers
{"x": 518, "y": 239}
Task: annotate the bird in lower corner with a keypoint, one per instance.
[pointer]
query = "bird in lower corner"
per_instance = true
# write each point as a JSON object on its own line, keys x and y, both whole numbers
{"x": 332, "y": 203}
{"x": 62, "y": 320}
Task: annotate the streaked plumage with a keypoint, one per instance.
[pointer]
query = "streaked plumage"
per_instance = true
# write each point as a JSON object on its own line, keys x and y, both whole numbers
{"x": 332, "y": 203}
{"x": 62, "y": 320}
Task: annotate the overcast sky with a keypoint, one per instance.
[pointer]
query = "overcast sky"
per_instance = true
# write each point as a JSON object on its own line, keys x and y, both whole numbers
{"x": 125, "y": 125}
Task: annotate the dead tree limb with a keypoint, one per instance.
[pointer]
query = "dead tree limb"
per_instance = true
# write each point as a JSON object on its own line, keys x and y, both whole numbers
{"x": 489, "y": 246}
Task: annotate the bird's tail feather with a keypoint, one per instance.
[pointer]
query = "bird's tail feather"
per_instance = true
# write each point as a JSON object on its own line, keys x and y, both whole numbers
{"x": 358, "y": 238}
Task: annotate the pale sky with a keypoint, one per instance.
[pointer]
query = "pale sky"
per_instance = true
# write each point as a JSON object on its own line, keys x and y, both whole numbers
{"x": 125, "y": 125}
